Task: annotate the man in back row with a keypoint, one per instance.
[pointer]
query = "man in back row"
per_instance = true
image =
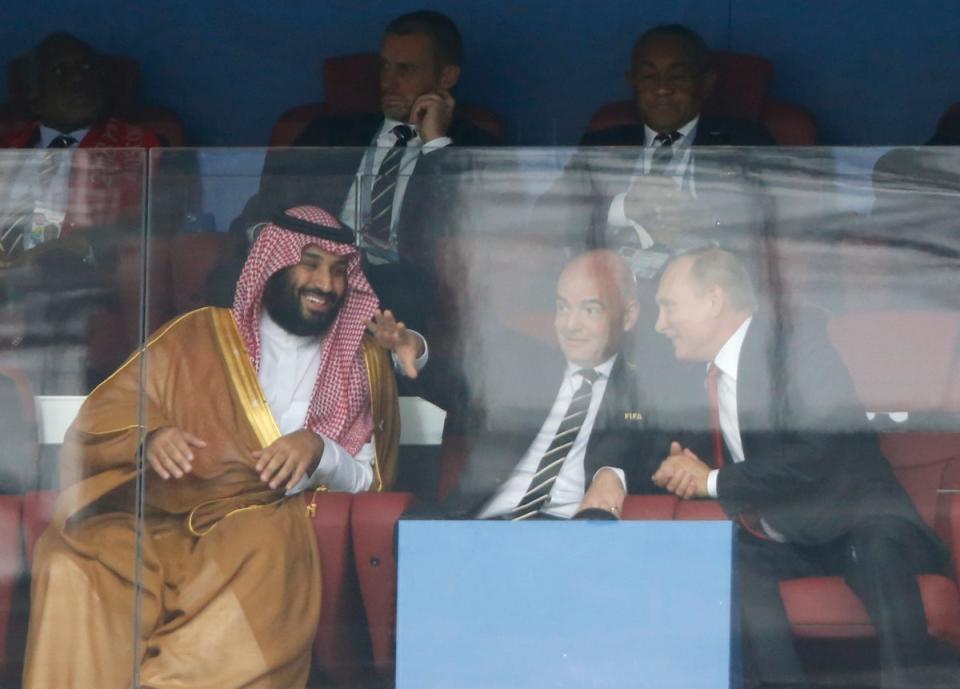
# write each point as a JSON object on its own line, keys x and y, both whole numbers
{"x": 386, "y": 181}
{"x": 648, "y": 199}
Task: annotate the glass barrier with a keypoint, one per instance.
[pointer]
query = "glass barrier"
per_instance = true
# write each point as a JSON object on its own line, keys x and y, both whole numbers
{"x": 72, "y": 266}
{"x": 769, "y": 335}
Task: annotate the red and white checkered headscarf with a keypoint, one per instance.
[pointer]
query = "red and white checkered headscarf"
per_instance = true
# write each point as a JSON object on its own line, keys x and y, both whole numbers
{"x": 340, "y": 408}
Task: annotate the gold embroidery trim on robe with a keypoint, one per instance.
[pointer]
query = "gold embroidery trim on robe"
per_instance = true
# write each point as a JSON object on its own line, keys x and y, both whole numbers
{"x": 243, "y": 377}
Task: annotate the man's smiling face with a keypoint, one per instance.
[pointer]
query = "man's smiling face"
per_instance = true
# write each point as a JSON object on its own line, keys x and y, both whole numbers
{"x": 305, "y": 299}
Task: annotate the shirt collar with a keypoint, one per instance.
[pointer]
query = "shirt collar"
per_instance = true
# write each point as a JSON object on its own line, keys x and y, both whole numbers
{"x": 270, "y": 331}
{"x": 728, "y": 358}
{"x": 603, "y": 369}
{"x": 48, "y": 134}
{"x": 686, "y": 133}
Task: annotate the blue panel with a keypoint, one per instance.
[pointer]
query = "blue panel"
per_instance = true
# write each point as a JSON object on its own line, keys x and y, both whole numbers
{"x": 564, "y": 605}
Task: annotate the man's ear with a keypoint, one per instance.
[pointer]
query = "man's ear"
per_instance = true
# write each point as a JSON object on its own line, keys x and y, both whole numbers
{"x": 630, "y": 315}
{"x": 716, "y": 299}
{"x": 449, "y": 76}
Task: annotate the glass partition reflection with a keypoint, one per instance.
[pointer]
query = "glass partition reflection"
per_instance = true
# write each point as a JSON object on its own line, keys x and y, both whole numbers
{"x": 527, "y": 272}
{"x": 72, "y": 265}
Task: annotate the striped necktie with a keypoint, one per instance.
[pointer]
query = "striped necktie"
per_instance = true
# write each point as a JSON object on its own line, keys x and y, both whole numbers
{"x": 538, "y": 494}
{"x": 663, "y": 152}
{"x": 385, "y": 188}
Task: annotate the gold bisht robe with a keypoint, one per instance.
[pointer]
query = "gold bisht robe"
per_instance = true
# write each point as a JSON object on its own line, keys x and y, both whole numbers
{"x": 228, "y": 569}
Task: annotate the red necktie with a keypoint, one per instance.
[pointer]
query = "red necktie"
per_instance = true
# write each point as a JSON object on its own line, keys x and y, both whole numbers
{"x": 749, "y": 520}
{"x": 713, "y": 375}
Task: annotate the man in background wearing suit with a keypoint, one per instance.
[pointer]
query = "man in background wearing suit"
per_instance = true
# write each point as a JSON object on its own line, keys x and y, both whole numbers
{"x": 388, "y": 179}
{"x": 595, "y": 435}
{"x": 791, "y": 457}
{"x": 644, "y": 200}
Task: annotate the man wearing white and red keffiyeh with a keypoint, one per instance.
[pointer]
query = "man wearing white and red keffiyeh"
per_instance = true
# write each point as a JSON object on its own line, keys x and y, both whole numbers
{"x": 302, "y": 306}
{"x": 241, "y": 409}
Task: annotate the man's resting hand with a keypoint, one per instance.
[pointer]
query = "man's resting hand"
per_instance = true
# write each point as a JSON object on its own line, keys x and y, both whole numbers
{"x": 169, "y": 451}
{"x": 289, "y": 458}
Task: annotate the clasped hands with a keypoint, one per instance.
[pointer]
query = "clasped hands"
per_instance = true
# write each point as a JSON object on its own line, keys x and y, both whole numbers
{"x": 285, "y": 461}
{"x": 682, "y": 473}
{"x": 658, "y": 205}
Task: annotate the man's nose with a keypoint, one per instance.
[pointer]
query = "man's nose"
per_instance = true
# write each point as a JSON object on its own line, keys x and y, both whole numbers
{"x": 320, "y": 279}
{"x": 661, "y": 323}
{"x": 663, "y": 85}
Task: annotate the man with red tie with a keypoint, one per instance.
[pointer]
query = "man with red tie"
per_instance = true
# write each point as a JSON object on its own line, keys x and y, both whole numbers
{"x": 791, "y": 457}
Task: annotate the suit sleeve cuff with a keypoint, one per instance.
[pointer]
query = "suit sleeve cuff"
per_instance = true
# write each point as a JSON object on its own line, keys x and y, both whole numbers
{"x": 419, "y": 363}
{"x": 620, "y": 475}
{"x": 434, "y": 144}
{"x": 712, "y": 483}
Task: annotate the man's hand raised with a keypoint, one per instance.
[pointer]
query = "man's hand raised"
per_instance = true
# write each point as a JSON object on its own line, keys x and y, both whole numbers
{"x": 170, "y": 451}
{"x": 432, "y": 114}
{"x": 393, "y": 335}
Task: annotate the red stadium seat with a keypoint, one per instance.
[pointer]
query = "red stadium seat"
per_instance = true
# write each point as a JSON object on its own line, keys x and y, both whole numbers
{"x": 373, "y": 522}
{"x": 899, "y": 361}
{"x": 650, "y": 507}
{"x": 338, "y": 646}
{"x": 925, "y": 463}
{"x": 37, "y": 514}
{"x": 351, "y": 86}
{"x": 743, "y": 91}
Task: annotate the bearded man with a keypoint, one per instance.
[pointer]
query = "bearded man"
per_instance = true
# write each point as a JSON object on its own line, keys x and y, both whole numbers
{"x": 197, "y": 567}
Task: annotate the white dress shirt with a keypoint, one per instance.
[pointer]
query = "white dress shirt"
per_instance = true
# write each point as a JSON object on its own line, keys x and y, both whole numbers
{"x": 728, "y": 362}
{"x": 288, "y": 371}
{"x": 568, "y": 491}
{"x": 357, "y": 204}
{"x": 681, "y": 170}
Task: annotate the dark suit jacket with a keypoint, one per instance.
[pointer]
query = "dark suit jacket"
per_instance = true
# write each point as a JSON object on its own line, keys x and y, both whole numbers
{"x": 812, "y": 466}
{"x": 711, "y": 131}
{"x": 580, "y": 200}
{"x": 300, "y": 176}
{"x": 512, "y": 410}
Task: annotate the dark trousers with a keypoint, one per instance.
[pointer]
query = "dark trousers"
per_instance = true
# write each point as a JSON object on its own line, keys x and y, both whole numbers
{"x": 879, "y": 560}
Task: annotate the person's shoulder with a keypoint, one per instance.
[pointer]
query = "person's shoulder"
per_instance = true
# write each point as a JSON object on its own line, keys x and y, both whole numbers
{"x": 340, "y": 130}
{"x": 21, "y": 137}
{"x": 115, "y": 132}
{"x": 731, "y": 131}
{"x": 621, "y": 135}
{"x": 948, "y": 132}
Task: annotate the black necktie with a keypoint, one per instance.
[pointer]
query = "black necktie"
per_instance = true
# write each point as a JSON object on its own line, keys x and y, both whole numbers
{"x": 385, "y": 187}
{"x": 663, "y": 152}
{"x": 550, "y": 465}
{"x": 62, "y": 141}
